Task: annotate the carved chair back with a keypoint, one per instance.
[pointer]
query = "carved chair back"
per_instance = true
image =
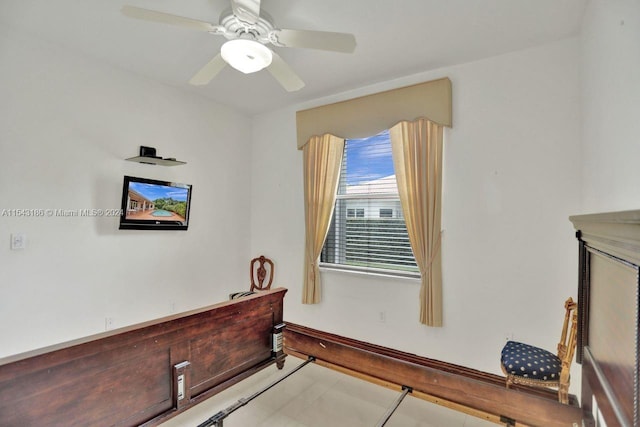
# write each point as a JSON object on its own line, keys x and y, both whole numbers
{"x": 261, "y": 268}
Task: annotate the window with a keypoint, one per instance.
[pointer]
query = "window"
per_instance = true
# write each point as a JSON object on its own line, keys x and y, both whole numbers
{"x": 386, "y": 213}
{"x": 367, "y": 230}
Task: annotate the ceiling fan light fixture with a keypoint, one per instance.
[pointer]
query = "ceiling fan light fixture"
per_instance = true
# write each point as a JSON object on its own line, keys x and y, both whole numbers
{"x": 247, "y": 56}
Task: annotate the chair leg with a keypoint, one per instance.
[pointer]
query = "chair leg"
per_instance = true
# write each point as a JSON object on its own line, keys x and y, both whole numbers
{"x": 563, "y": 393}
{"x": 563, "y": 388}
{"x": 509, "y": 381}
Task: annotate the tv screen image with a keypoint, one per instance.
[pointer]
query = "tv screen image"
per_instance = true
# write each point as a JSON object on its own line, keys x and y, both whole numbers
{"x": 153, "y": 204}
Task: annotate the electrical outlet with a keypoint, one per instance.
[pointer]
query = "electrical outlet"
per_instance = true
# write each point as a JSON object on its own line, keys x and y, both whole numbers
{"x": 108, "y": 323}
{"x": 382, "y": 316}
{"x": 18, "y": 241}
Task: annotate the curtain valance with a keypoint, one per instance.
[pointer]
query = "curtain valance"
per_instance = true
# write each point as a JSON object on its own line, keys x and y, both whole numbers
{"x": 371, "y": 114}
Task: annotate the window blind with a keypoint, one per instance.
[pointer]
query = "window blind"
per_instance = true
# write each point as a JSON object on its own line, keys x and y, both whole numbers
{"x": 367, "y": 230}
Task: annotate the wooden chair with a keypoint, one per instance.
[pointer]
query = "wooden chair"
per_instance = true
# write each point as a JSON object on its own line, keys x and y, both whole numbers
{"x": 533, "y": 366}
{"x": 259, "y": 269}
{"x": 258, "y": 273}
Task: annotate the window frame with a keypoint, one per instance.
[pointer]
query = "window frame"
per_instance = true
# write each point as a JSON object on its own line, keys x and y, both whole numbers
{"x": 358, "y": 213}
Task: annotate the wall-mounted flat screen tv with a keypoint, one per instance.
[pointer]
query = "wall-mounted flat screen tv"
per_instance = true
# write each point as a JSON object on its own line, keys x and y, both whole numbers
{"x": 149, "y": 204}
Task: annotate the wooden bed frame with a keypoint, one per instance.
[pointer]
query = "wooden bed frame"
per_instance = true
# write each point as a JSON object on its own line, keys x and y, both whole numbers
{"x": 143, "y": 374}
{"x": 608, "y": 340}
{"x": 464, "y": 389}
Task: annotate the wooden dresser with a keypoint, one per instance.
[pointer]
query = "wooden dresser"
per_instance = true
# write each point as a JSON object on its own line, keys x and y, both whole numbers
{"x": 609, "y": 254}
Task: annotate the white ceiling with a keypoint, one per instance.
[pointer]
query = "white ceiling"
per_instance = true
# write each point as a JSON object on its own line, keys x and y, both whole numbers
{"x": 394, "y": 38}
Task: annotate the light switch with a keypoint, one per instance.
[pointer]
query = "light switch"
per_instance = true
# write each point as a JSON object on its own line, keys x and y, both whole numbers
{"x": 18, "y": 241}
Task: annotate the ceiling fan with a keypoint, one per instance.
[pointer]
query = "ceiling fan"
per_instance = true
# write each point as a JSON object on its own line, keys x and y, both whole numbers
{"x": 248, "y": 30}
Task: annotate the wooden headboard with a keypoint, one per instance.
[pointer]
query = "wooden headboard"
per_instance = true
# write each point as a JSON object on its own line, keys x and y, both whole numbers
{"x": 609, "y": 274}
{"x": 143, "y": 374}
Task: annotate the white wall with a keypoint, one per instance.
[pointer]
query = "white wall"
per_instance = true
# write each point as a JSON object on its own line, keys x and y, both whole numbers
{"x": 66, "y": 124}
{"x": 511, "y": 179}
{"x": 611, "y": 110}
{"x": 513, "y": 162}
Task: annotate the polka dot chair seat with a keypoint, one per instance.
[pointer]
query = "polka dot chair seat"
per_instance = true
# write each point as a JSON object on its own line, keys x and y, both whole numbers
{"x": 533, "y": 366}
{"x": 527, "y": 361}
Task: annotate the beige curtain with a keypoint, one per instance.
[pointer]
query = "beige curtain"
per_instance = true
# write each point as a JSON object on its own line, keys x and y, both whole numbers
{"x": 322, "y": 160}
{"x": 417, "y": 158}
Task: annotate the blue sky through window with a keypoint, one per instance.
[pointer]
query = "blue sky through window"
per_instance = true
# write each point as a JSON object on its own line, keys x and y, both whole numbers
{"x": 368, "y": 159}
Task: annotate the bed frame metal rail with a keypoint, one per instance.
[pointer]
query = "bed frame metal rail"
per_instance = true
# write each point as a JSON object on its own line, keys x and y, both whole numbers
{"x": 218, "y": 419}
{"x": 405, "y": 390}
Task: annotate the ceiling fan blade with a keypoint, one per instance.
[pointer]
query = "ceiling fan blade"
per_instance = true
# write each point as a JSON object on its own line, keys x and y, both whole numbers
{"x": 284, "y": 74}
{"x": 166, "y": 18}
{"x": 208, "y": 72}
{"x": 323, "y": 40}
{"x": 246, "y": 10}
